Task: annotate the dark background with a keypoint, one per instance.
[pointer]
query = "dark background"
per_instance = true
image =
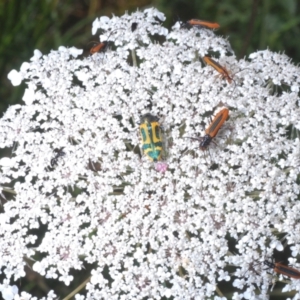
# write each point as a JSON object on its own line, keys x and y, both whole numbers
{"x": 47, "y": 24}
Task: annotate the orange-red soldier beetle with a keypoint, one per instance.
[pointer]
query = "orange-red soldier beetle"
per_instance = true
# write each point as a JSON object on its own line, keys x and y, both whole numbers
{"x": 212, "y": 130}
{"x": 200, "y": 23}
{"x": 222, "y": 70}
{"x": 101, "y": 47}
{"x": 283, "y": 269}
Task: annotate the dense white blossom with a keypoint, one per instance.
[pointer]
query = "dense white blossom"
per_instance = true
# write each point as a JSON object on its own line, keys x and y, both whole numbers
{"x": 152, "y": 231}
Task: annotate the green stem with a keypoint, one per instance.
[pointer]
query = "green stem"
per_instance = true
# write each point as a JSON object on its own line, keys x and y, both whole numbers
{"x": 133, "y": 56}
{"x": 81, "y": 286}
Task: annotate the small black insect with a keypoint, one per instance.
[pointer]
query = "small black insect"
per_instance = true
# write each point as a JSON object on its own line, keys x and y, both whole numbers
{"x": 134, "y": 26}
{"x": 59, "y": 153}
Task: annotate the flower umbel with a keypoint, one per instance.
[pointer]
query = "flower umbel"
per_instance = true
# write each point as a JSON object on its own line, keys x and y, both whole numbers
{"x": 163, "y": 230}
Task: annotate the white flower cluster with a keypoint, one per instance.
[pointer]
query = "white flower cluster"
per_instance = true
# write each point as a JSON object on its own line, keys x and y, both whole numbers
{"x": 152, "y": 234}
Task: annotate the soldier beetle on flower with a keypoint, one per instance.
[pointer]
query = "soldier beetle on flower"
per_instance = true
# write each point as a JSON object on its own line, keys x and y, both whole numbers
{"x": 222, "y": 70}
{"x": 102, "y": 46}
{"x": 224, "y": 73}
{"x": 283, "y": 269}
{"x": 200, "y": 23}
{"x": 212, "y": 130}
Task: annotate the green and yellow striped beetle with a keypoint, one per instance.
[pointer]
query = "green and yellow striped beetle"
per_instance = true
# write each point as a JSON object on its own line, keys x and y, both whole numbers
{"x": 151, "y": 134}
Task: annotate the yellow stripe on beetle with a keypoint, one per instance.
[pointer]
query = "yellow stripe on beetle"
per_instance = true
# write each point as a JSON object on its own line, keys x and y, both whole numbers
{"x": 151, "y": 134}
